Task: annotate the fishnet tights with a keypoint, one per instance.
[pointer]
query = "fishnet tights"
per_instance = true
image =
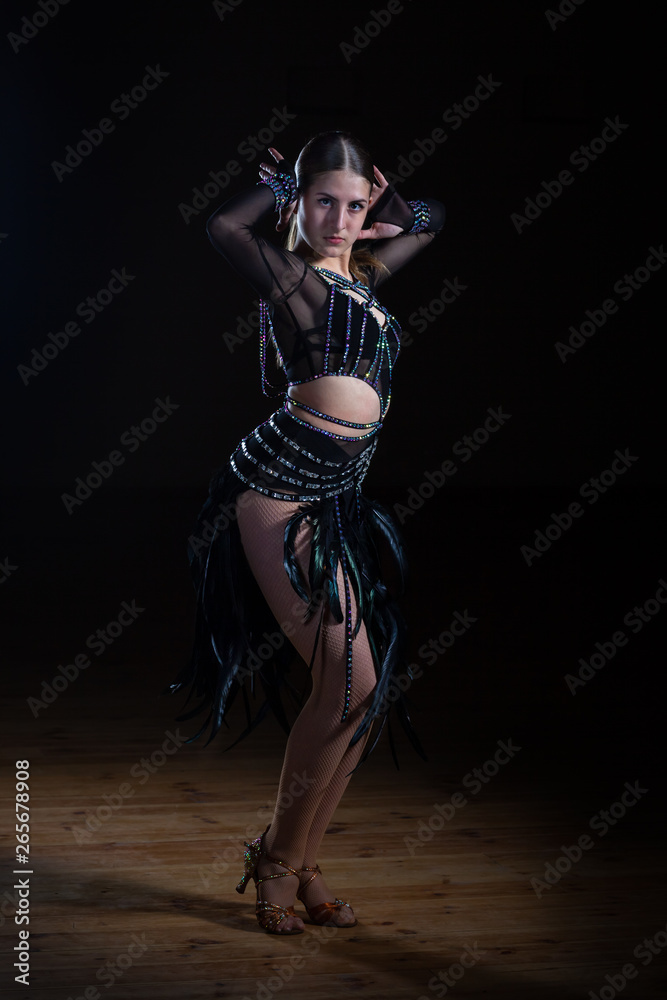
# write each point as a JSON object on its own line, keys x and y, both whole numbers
{"x": 317, "y": 760}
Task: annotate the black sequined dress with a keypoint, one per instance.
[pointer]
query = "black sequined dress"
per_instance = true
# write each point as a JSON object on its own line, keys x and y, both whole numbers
{"x": 317, "y": 328}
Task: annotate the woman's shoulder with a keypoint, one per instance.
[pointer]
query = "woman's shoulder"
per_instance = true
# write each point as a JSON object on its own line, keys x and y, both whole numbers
{"x": 300, "y": 280}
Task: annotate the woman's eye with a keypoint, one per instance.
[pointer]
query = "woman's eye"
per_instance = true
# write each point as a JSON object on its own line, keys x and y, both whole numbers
{"x": 325, "y": 201}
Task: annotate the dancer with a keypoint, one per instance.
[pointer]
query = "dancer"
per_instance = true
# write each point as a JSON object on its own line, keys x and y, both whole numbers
{"x": 289, "y": 554}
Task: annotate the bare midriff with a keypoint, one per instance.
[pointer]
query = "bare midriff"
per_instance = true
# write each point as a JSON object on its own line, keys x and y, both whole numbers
{"x": 342, "y": 396}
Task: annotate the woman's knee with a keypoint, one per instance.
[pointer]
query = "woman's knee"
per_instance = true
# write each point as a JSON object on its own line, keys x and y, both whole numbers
{"x": 330, "y": 668}
{"x": 362, "y": 692}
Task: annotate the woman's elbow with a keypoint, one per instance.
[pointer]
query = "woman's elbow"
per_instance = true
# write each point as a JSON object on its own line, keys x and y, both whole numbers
{"x": 219, "y": 228}
{"x": 438, "y": 215}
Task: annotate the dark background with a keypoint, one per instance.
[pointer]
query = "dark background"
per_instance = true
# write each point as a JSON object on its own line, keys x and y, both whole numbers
{"x": 494, "y": 347}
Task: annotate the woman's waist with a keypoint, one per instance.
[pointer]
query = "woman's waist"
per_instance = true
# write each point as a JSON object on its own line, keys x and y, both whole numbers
{"x": 344, "y": 403}
{"x": 287, "y": 453}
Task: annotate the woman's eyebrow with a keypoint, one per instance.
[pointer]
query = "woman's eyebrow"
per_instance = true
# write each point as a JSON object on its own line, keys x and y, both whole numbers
{"x": 356, "y": 201}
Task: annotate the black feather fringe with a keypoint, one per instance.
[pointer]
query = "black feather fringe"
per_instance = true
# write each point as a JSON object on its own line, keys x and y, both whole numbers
{"x": 233, "y": 618}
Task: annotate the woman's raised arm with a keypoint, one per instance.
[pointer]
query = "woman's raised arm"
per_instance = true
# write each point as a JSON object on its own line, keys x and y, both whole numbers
{"x": 400, "y": 229}
{"x": 271, "y": 270}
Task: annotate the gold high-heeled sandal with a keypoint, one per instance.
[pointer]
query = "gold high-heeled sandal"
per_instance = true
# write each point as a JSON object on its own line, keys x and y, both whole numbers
{"x": 323, "y": 914}
{"x": 269, "y": 915}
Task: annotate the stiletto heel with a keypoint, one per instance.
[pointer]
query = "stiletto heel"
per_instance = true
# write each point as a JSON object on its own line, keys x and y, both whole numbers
{"x": 323, "y": 915}
{"x": 252, "y": 854}
{"x": 269, "y": 915}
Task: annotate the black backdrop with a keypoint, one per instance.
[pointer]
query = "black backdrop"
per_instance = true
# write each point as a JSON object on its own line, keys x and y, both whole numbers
{"x": 203, "y": 79}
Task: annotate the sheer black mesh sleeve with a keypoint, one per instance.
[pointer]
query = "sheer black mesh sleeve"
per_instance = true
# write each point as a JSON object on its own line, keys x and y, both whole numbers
{"x": 396, "y": 251}
{"x": 274, "y": 273}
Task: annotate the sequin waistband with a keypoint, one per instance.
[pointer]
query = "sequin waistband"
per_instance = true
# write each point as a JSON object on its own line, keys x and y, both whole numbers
{"x": 289, "y": 459}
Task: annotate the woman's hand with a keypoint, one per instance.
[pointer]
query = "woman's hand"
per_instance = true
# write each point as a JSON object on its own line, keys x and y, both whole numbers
{"x": 268, "y": 170}
{"x": 379, "y": 230}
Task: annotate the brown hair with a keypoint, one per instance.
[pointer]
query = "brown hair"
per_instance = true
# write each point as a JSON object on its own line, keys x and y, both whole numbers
{"x": 336, "y": 151}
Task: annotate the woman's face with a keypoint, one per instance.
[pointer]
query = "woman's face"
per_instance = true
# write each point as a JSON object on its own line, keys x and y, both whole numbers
{"x": 332, "y": 211}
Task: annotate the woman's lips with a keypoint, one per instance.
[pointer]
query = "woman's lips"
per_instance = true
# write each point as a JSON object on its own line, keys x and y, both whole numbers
{"x": 334, "y": 239}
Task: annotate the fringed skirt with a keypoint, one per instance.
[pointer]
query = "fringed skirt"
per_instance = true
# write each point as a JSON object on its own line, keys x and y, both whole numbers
{"x": 288, "y": 459}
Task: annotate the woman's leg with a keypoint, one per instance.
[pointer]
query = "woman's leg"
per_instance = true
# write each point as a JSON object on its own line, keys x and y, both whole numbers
{"x": 318, "y": 758}
{"x": 317, "y": 890}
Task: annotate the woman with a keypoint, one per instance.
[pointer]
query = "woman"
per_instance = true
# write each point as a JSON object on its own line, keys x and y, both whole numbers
{"x": 289, "y": 554}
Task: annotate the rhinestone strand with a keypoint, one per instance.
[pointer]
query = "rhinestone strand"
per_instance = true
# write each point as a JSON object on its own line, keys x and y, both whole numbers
{"x": 361, "y": 343}
{"x": 278, "y": 495}
{"x": 349, "y": 473}
{"x": 266, "y": 331}
{"x": 334, "y": 420}
{"x": 348, "y": 332}
{"x": 327, "y": 345}
{"x": 338, "y": 283}
{"x": 348, "y": 614}
{"x": 336, "y": 437}
{"x": 297, "y": 447}
{"x": 290, "y": 465}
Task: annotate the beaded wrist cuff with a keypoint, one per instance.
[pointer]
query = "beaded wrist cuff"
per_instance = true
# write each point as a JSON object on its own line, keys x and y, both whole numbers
{"x": 422, "y": 216}
{"x": 283, "y": 186}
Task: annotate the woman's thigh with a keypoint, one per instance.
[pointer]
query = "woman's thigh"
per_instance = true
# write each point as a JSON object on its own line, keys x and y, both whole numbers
{"x": 262, "y": 521}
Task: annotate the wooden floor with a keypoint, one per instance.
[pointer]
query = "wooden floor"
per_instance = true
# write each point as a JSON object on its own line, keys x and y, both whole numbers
{"x": 144, "y": 905}
{"x": 136, "y": 842}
